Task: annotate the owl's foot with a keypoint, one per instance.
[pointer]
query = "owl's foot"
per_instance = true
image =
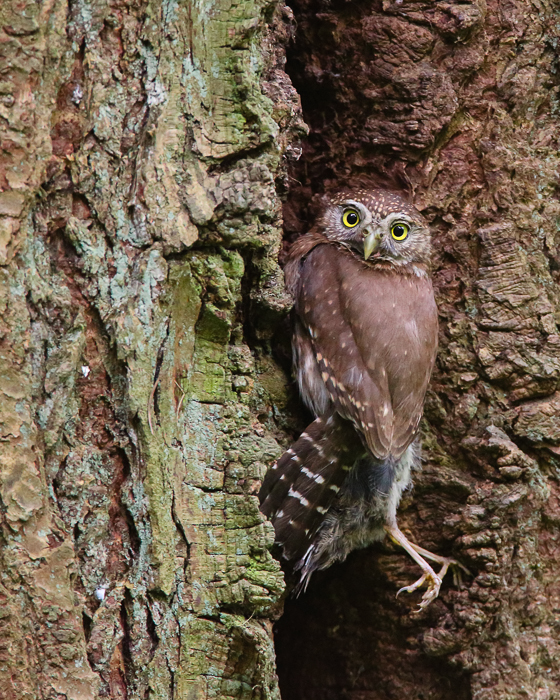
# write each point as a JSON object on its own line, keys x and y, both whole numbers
{"x": 433, "y": 583}
{"x": 457, "y": 569}
{"x": 429, "y": 576}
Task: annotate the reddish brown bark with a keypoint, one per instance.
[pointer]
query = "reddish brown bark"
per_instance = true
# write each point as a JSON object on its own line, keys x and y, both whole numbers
{"x": 456, "y": 104}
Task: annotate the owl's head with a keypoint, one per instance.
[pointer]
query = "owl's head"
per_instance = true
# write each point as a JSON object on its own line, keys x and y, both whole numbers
{"x": 377, "y": 225}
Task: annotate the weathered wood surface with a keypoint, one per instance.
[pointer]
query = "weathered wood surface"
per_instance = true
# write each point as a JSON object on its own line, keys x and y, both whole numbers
{"x": 138, "y": 213}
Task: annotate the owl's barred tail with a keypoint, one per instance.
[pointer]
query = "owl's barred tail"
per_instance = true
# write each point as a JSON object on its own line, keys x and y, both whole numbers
{"x": 299, "y": 489}
{"x": 346, "y": 528}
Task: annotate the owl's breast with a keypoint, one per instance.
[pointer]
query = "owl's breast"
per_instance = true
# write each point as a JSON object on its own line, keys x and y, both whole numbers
{"x": 393, "y": 320}
{"x": 375, "y": 336}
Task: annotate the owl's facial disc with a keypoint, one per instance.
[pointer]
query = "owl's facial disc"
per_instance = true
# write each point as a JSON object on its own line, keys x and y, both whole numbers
{"x": 405, "y": 239}
{"x": 383, "y": 228}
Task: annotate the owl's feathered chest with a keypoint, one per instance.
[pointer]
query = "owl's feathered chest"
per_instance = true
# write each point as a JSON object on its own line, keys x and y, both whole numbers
{"x": 372, "y": 330}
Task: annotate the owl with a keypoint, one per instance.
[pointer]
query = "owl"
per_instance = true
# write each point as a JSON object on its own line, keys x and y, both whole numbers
{"x": 365, "y": 343}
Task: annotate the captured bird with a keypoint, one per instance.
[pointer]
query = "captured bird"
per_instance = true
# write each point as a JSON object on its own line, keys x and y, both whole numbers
{"x": 364, "y": 347}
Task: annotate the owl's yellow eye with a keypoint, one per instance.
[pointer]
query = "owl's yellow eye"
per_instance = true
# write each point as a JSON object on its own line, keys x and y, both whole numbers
{"x": 350, "y": 218}
{"x": 399, "y": 231}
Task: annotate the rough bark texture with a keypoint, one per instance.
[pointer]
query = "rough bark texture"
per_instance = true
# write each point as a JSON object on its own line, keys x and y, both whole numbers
{"x": 461, "y": 102}
{"x": 140, "y": 228}
{"x": 144, "y": 153}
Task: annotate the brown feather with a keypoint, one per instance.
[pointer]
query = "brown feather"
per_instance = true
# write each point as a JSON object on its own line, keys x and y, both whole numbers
{"x": 375, "y": 342}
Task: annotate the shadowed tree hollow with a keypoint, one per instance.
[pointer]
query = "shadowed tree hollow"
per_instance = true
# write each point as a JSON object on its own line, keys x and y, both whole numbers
{"x": 153, "y": 158}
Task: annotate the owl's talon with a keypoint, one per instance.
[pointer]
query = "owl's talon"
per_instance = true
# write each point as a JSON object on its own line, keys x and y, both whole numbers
{"x": 413, "y": 586}
{"x": 434, "y": 580}
{"x": 434, "y": 585}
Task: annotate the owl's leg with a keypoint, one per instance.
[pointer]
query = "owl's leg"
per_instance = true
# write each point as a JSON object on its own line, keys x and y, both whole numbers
{"x": 429, "y": 576}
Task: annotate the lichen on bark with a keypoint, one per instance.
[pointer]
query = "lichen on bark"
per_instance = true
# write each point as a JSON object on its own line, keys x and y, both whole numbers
{"x": 138, "y": 213}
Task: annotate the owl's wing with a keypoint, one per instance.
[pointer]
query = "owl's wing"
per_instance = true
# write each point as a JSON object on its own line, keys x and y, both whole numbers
{"x": 311, "y": 385}
{"x": 374, "y": 335}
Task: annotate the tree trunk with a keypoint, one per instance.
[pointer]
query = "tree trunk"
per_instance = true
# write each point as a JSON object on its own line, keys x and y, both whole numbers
{"x": 144, "y": 357}
{"x": 140, "y": 234}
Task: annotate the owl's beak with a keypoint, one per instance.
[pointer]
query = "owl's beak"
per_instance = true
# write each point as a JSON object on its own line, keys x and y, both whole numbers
{"x": 371, "y": 243}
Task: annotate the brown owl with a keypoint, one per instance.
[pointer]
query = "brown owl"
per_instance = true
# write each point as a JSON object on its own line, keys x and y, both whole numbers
{"x": 364, "y": 348}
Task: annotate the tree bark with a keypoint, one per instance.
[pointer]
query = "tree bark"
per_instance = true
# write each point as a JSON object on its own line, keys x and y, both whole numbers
{"x": 457, "y": 102}
{"x": 140, "y": 233}
{"x": 144, "y": 344}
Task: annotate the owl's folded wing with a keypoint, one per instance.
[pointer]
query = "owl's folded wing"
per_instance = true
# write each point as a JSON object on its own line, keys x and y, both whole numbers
{"x": 374, "y": 335}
